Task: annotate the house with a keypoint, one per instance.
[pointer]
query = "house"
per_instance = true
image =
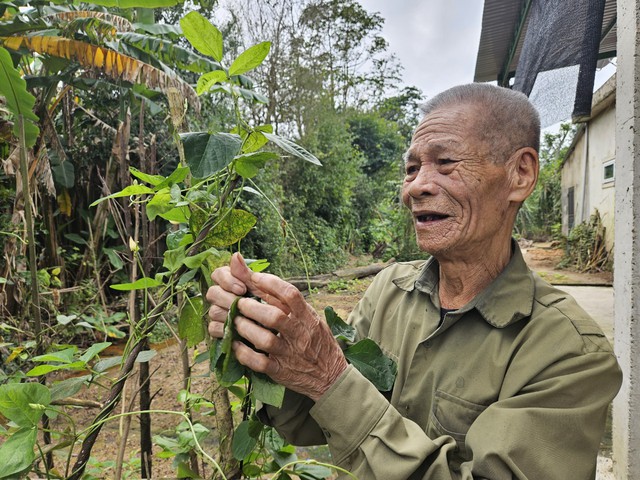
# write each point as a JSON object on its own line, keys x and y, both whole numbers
{"x": 588, "y": 170}
{"x": 504, "y": 27}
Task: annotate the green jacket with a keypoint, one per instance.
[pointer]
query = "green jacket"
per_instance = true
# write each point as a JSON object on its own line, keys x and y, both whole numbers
{"x": 516, "y": 384}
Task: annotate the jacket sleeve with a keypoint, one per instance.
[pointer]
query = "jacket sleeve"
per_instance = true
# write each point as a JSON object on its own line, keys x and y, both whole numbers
{"x": 551, "y": 429}
{"x": 546, "y": 423}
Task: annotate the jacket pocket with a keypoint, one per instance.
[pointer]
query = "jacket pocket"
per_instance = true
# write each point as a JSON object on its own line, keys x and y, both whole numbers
{"x": 453, "y": 416}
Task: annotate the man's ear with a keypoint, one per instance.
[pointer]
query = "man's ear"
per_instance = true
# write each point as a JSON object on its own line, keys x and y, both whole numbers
{"x": 523, "y": 170}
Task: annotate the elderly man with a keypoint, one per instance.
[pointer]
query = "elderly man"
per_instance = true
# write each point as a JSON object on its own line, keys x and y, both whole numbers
{"x": 500, "y": 375}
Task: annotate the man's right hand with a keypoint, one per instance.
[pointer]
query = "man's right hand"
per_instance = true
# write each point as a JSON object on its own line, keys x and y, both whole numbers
{"x": 229, "y": 283}
{"x": 294, "y": 346}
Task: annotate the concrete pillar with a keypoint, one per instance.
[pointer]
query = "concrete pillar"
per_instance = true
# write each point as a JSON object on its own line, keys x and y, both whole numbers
{"x": 626, "y": 406}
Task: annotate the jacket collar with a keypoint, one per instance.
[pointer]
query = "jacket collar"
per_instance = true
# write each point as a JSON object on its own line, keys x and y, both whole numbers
{"x": 506, "y": 300}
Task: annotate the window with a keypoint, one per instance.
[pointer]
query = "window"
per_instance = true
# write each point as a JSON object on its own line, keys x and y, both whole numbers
{"x": 608, "y": 171}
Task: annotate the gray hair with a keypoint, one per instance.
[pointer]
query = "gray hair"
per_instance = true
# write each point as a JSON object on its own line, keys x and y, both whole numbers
{"x": 509, "y": 121}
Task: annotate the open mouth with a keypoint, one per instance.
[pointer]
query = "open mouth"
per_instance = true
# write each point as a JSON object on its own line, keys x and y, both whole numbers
{"x": 430, "y": 217}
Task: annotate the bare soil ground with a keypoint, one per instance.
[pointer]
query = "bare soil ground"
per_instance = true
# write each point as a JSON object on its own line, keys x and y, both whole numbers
{"x": 544, "y": 258}
{"x": 167, "y": 373}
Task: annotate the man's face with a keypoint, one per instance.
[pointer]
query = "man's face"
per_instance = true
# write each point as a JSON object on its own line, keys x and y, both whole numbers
{"x": 456, "y": 193}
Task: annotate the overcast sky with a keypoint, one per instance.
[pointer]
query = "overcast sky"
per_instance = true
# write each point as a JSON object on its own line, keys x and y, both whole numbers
{"x": 436, "y": 41}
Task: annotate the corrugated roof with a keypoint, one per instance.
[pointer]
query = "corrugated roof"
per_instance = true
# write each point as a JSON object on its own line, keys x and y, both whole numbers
{"x": 500, "y": 20}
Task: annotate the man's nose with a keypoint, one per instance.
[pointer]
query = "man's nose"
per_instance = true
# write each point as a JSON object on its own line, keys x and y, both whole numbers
{"x": 425, "y": 182}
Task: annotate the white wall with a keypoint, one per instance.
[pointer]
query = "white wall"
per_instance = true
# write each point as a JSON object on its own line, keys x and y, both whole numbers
{"x": 599, "y": 140}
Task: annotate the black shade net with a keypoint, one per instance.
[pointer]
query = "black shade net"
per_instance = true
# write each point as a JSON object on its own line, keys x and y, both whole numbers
{"x": 559, "y": 56}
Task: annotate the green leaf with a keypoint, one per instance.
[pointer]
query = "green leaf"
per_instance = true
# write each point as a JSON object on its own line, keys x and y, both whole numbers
{"x": 186, "y": 277}
{"x": 207, "y": 153}
{"x": 174, "y": 238}
{"x": 75, "y": 238}
{"x": 129, "y": 191}
{"x": 184, "y": 471}
{"x": 248, "y": 165}
{"x": 94, "y": 350}
{"x": 67, "y": 388}
{"x": 273, "y": 440}
{"x": 292, "y": 148}
{"x": 145, "y": 15}
{"x": 230, "y": 334}
{"x": 257, "y": 265}
{"x": 190, "y": 324}
{"x": 251, "y": 471}
{"x": 177, "y": 215}
{"x": 369, "y": 359}
{"x": 234, "y": 372}
{"x": 177, "y": 176}
{"x": 15, "y": 400}
{"x": 65, "y": 319}
{"x": 44, "y": 369}
{"x": 254, "y": 141}
{"x": 228, "y": 369}
{"x": 196, "y": 260}
{"x": 311, "y": 472}
{"x": 159, "y": 204}
{"x": 173, "y": 258}
{"x": 215, "y": 261}
{"x": 266, "y": 390}
{"x": 253, "y": 96}
{"x": 231, "y": 229}
{"x": 243, "y": 443}
{"x": 169, "y": 444}
{"x": 139, "y": 284}
{"x": 250, "y": 58}
{"x": 107, "y": 363}
{"x": 16, "y": 453}
{"x": 64, "y": 173}
{"x": 172, "y": 31}
{"x": 64, "y": 356}
{"x": 339, "y": 328}
{"x": 19, "y": 100}
{"x": 204, "y": 36}
{"x": 145, "y": 355}
{"x": 114, "y": 259}
{"x": 145, "y": 177}
{"x": 209, "y": 79}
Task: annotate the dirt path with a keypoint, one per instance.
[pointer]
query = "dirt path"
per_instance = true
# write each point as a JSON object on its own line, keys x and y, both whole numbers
{"x": 544, "y": 258}
{"x": 166, "y": 380}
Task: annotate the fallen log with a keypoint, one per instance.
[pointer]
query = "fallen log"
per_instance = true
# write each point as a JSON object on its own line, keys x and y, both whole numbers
{"x": 319, "y": 281}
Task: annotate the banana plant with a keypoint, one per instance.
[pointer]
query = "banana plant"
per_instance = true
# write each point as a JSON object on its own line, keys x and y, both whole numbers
{"x": 62, "y": 49}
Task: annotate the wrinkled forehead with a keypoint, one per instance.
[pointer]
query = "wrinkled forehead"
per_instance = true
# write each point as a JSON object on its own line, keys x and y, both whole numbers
{"x": 470, "y": 117}
{"x": 448, "y": 129}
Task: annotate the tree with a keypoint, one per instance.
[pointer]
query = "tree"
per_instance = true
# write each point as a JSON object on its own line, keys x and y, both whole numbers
{"x": 541, "y": 213}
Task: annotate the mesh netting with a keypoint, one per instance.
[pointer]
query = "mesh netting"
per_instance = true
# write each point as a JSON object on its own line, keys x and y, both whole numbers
{"x": 560, "y": 34}
{"x": 554, "y": 94}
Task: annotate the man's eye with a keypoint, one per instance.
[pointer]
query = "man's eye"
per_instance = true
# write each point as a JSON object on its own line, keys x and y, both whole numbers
{"x": 446, "y": 161}
{"x": 411, "y": 170}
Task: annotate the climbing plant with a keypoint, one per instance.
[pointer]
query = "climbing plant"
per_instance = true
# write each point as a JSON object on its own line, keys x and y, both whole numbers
{"x": 200, "y": 200}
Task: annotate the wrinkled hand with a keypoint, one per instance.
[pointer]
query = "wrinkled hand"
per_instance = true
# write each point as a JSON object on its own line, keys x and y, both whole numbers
{"x": 296, "y": 347}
